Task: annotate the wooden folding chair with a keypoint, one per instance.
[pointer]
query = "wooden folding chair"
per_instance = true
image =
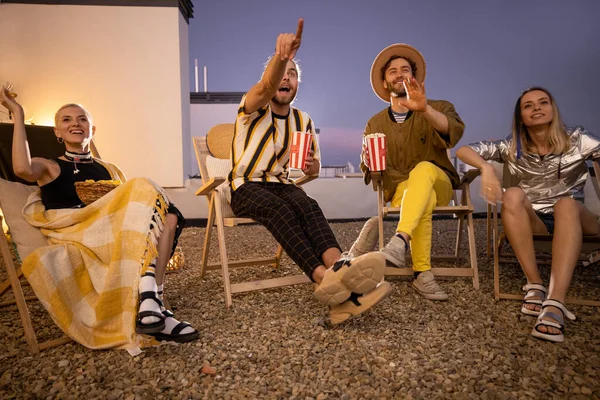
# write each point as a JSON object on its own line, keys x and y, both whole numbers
{"x": 542, "y": 244}
{"x": 42, "y": 143}
{"x": 461, "y": 211}
{"x": 214, "y": 166}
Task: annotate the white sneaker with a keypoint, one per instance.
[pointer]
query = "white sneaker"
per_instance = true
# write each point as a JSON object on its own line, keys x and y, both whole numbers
{"x": 395, "y": 252}
{"x": 427, "y": 287}
{"x": 367, "y": 238}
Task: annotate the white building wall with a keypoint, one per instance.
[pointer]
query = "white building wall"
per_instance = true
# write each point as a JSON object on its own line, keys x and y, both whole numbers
{"x": 127, "y": 65}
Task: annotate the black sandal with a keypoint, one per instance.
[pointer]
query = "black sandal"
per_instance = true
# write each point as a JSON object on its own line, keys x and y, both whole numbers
{"x": 176, "y": 336}
{"x": 155, "y": 326}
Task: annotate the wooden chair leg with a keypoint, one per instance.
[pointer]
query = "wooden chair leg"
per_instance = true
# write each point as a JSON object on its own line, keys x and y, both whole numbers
{"x": 380, "y": 204}
{"x": 6, "y": 284}
{"x": 459, "y": 234}
{"x": 278, "y": 255}
{"x": 209, "y": 226}
{"x": 19, "y": 297}
{"x": 473, "y": 250}
{"x": 497, "y": 245}
{"x": 223, "y": 251}
{"x": 488, "y": 230}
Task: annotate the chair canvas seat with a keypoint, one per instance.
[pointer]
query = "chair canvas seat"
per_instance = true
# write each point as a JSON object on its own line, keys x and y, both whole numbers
{"x": 13, "y": 195}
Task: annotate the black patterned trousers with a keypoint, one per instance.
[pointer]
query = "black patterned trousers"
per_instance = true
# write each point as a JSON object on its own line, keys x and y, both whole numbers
{"x": 294, "y": 219}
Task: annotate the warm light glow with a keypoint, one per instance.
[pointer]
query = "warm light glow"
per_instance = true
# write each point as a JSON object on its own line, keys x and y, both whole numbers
{"x": 4, "y": 226}
{"x": 45, "y": 117}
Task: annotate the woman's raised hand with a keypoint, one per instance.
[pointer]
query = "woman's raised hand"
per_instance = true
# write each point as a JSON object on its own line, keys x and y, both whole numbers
{"x": 7, "y": 99}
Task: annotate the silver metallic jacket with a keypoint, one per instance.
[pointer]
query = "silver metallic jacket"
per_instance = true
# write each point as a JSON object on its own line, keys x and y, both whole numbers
{"x": 547, "y": 179}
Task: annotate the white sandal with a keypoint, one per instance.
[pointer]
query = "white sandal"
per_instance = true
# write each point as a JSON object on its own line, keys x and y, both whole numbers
{"x": 552, "y": 337}
{"x": 531, "y": 297}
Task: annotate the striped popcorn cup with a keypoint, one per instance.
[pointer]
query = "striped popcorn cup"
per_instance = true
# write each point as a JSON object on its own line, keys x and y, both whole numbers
{"x": 376, "y": 148}
{"x": 301, "y": 142}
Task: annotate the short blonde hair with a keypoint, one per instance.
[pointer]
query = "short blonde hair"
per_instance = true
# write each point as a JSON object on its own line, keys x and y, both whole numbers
{"x": 521, "y": 141}
{"x": 89, "y": 115}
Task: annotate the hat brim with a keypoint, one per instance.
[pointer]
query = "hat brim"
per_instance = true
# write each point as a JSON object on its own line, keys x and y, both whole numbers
{"x": 219, "y": 139}
{"x": 398, "y": 49}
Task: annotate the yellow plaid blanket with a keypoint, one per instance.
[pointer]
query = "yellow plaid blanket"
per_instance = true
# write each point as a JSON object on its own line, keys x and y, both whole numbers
{"x": 87, "y": 278}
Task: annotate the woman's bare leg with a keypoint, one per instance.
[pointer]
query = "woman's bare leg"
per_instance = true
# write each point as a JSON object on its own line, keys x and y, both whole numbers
{"x": 520, "y": 223}
{"x": 571, "y": 221}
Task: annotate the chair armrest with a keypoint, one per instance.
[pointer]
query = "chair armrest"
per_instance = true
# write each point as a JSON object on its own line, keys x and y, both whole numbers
{"x": 377, "y": 180}
{"x": 305, "y": 179}
{"x": 209, "y": 186}
{"x": 470, "y": 176}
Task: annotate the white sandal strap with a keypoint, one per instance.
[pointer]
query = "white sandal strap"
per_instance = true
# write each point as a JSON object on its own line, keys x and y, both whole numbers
{"x": 560, "y": 306}
{"x": 535, "y": 286}
{"x": 548, "y": 323}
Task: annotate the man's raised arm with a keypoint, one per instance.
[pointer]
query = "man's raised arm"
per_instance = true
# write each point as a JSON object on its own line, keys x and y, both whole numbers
{"x": 285, "y": 49}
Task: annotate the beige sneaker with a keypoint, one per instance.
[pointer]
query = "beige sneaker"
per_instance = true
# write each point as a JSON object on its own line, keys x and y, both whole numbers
{"x": 427, "y": 287}
{"x": 358, "y": 304}
{"x": 359, "y": 275}
{"x": 367, "y": 238}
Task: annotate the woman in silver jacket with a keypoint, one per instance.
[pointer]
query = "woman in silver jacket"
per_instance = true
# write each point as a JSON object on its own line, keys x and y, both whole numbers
{"x": 549, "y": 161}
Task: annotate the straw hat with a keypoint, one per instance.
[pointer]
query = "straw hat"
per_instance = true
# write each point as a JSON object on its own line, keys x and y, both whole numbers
{"x": 398, "y": 49}
{"x": 218, "y": 140}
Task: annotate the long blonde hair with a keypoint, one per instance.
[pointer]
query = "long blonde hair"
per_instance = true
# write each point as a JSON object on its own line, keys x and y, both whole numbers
{"x": 89, "y": 115}
{"x": 522, "y": 143}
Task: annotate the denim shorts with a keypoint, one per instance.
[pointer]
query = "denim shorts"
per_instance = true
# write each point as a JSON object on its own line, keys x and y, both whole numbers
{"x": 548, "y": 220}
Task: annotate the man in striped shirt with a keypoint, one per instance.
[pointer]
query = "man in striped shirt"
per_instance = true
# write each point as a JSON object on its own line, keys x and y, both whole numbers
{"x": 261, "y": 189}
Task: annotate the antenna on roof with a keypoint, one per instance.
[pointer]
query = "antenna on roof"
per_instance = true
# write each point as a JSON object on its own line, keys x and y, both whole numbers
{"x": 196, "y": 74}
{"x": 205, "y": 80}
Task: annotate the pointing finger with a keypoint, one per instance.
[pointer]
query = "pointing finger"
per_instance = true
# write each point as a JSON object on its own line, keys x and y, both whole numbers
{"x": 300, "y": 28}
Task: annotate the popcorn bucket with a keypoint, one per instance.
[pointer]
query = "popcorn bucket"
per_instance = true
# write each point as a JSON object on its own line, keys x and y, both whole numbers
{"x": 301, "y": 142}
{"x": 376, "y": 148}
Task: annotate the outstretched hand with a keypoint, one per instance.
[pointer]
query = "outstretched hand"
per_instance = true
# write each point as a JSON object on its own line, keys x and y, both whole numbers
{"x": 491, "y": 190}
{"x": 7, "y": 99}
{"x": 289, "y": 43}
{"x": 415, "y": 99}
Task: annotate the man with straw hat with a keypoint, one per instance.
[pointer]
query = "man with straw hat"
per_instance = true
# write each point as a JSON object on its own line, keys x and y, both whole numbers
{"x": 419, "y": 176}
{"x": 261, "y": 189}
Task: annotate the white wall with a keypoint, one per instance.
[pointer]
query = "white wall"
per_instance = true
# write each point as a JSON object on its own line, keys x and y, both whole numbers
{"x": 202, "y": 118}
{"x": 127, "y": 65}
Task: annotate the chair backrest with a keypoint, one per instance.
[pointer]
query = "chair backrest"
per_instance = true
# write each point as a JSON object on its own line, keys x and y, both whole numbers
{"x": 14, "y": 191}
{"x": 42, "y": 143}
{"x": 212, "y": 155}
{"x": 454, "y": 196}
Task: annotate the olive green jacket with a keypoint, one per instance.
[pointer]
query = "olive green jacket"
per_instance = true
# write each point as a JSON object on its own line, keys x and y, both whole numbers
{"x": 413, "y": 141}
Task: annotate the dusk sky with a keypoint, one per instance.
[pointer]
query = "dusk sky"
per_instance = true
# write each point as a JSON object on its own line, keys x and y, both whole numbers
{"x": 480, "y": 55}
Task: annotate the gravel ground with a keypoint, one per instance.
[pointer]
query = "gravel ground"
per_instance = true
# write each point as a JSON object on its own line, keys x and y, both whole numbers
{"x": 278, "y": 343}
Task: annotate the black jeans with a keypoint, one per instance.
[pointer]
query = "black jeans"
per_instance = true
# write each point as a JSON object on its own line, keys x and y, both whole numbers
{"x": 294, "y": 219}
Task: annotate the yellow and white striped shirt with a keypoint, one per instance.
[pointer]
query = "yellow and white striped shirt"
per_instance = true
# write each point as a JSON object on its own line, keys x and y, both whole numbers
{"x": 260, "y": 151}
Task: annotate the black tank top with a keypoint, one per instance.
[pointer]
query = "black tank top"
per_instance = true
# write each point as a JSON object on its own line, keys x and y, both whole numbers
{"x": 60, "y": 193}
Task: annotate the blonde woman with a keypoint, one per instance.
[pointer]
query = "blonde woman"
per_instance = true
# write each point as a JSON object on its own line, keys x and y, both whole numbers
{"x": 549, "y": 160}
{"x": 101, "y": 277}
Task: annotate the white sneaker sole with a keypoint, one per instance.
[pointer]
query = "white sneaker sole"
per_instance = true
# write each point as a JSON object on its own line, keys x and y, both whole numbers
{"x": 362, "y": 276}
{"x": 343, "y": 312}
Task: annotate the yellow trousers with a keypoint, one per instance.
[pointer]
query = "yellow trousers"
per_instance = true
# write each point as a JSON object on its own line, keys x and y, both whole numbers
{"x": 427, "y": 186}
